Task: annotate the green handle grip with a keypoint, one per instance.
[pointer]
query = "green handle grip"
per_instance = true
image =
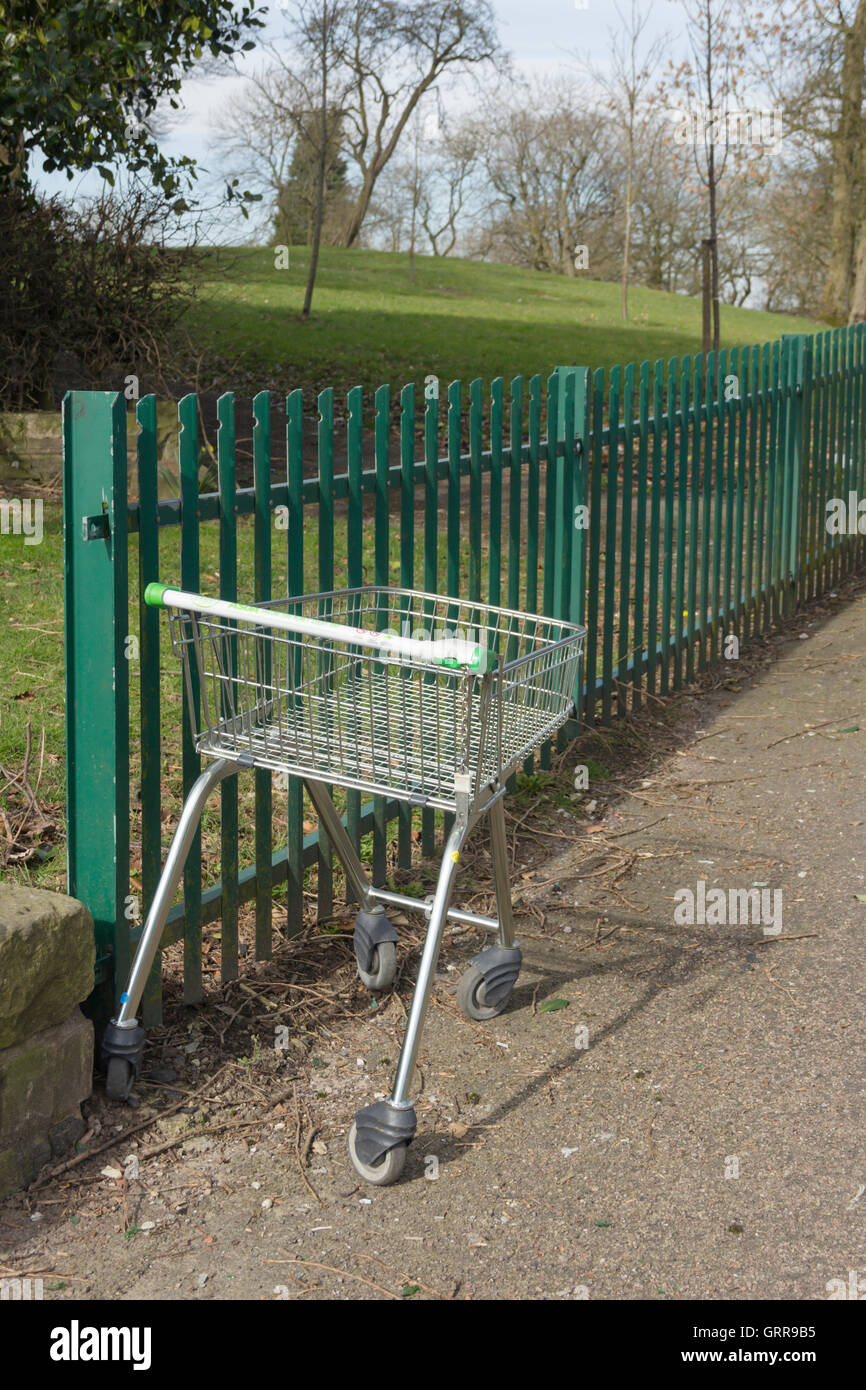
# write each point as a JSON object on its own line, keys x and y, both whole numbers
{"x": 153, "y": 595}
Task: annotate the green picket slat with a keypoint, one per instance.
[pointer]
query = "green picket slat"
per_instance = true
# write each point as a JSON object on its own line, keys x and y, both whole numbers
{"x": 623, "y": 644}
{"x": 833, "y": 478}
{"x": 381, "y": 576}
{"x": 515, "y": 491}
{"x": 454, "y": 488}
{"x": 476, "y": 388}
{"x": 228, "y": 551}
{"x": 325, "y": 454}
{"x": 594, "y": 581}
{"x": 741, "y": 413}
{"x": 431, "y": 552}
{"x": 640, "y": 548}
{"x": 730, "y": 448}
{"x": 822, "y": 369}
{"x": 548, "y": 567}
{"x": 658, "y": 373}
{"x": 694, "y": 498}
{"x": 148, "y": 666}
{"x": 847, "y": 445}
{"x": 190, "y": 578}
{"x": 295, "y": 586}
{"x": 515, "y": 499}
{"x": 354, "y": 560}
{"x": 762, "y": 604}
{"x": 565, "y": 513}
{"x": 682, "y": 501}
{"x": 407, "y": 570}
{"x": 774, "y": 491}
{"x": 815, "y": 460}
{"x": 494, "y": 510}
{"x": 718, "y": 467}
{"x": 262, "y": 564}
{"x": 533, "y": 507}
{"x": 611, "y": 505}
{"x": 750, "y": 620}
{"x": 707, "y": 627}
{"x": 577, "y": 510}
{"x": 533, "y": 497}
{"x": 668, "y": 627}
{"x": 856, "y": 449}
{"x": 551, "y": 528}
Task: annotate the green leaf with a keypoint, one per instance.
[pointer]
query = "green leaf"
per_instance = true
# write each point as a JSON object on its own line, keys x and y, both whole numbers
{"x": 552, "y": 1005}
{"x": 409, "y": 1290}
{"x": 861, "y": 897}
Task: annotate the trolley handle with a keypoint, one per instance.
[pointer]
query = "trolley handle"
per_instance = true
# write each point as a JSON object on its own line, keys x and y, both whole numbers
{"x": 451, "y": 652}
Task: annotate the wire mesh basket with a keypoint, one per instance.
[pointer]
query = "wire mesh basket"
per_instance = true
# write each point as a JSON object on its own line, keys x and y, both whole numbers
{"x": 390, "y": 691}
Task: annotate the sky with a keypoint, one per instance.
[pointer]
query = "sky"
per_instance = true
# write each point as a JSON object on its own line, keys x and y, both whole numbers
{"x": 542, "y": 36}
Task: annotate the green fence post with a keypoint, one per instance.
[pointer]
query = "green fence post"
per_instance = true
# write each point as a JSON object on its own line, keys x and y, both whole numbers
{"x": 795, "y": 387}
{"x": 574, "y": 583}
{"x": 95, "y": 538}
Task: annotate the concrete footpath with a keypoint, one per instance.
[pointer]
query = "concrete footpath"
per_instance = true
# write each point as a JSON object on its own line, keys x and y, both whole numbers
{"x": 688, "y": 1124}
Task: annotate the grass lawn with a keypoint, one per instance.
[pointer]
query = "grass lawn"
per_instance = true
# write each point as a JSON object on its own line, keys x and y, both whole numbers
{"x": 460, "y": 319}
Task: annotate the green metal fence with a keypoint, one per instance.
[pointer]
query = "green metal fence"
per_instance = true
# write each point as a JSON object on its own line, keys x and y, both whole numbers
{"x": 676, "y": 508}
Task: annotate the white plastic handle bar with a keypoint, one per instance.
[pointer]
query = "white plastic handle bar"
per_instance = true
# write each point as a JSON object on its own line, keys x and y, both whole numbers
{"x": 449, "y": 651}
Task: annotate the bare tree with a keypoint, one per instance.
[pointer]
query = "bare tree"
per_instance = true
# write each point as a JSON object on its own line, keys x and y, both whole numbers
{"x": 384, "y": 56}
{"x": 319, "y": 31}
{"x": 551, "y": 163}
{"x": 707, "y": 82}
{"x": 257, "y": 134}
{"x": 445, "y": 194}
{"x": 628, "y": 91}
{"x": 430, "y": 190}
{"x": 811, "y": 56}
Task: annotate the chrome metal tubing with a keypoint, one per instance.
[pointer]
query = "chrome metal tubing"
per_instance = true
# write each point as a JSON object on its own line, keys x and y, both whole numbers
{"x": 427, "y": 968}
{"x": 501, "y": 877}
{"x": 167, "y": 887}
{"x": 329, "y": 818}
{"x": 454, "y": 914}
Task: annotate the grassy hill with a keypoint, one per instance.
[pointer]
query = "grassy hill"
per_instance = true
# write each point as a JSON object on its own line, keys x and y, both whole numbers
{"x": 460, "y": 319}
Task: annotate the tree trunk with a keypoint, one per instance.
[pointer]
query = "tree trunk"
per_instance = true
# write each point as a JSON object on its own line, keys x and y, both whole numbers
{"x": 706, "y": 295}
{"x": 858, "y": 293}
{"x": 714, "y": 248}
{"x": 626, "y": 254}
{"x": 837, "y": 297}
{"x": 320, "y": 192}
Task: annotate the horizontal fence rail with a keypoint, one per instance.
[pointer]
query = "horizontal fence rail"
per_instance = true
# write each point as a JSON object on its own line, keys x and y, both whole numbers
{"x": 676, "y": 508}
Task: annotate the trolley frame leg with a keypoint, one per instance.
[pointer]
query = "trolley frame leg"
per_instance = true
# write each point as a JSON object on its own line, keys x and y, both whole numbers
{"x": 501, "y": 875}
{"x": 167, "y": 887}
{"x": 390, "y": 1124}
{"x": 427, "y": 968}
{"x": 336, "y": 832}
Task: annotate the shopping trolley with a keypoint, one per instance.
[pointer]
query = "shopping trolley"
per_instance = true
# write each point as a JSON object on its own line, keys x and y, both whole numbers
{"x": 402, "y": 694}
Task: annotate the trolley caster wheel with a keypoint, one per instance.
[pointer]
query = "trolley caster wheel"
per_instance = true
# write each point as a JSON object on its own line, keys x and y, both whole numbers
{"x": 375, "y": 942}
{"x": 486, "y": 987}
{"x": 120, "y": 1075}
{"x": 383, "y": 1171}
{"x": 383, "y": 968}
{"x": 470, "y": 996}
